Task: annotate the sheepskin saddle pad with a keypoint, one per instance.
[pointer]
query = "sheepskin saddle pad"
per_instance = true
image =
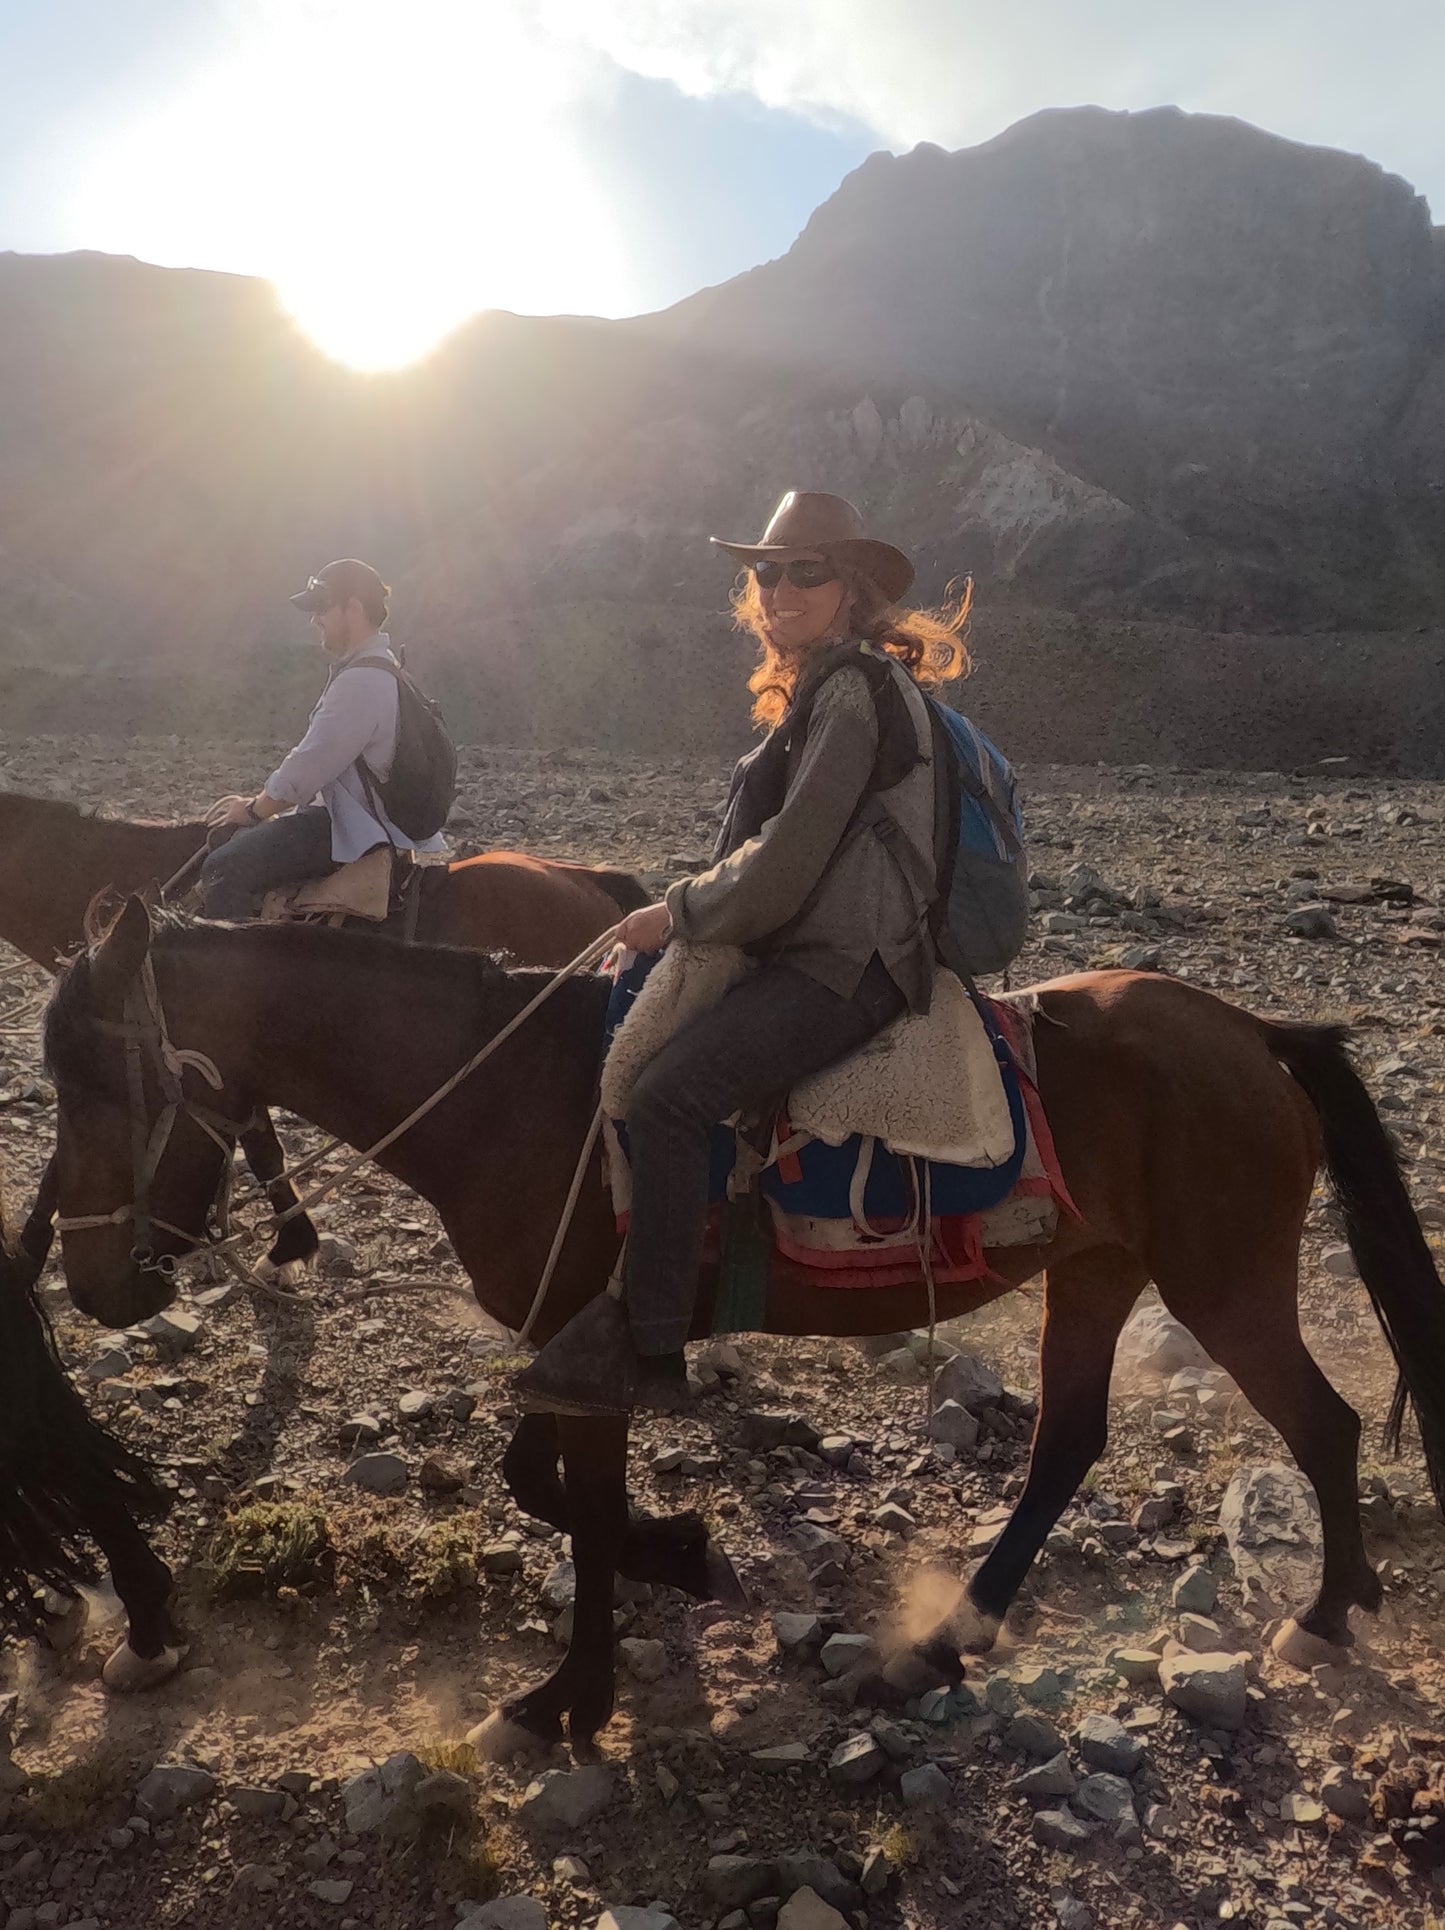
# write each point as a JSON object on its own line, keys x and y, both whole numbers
{"x": 929, "y": 1132}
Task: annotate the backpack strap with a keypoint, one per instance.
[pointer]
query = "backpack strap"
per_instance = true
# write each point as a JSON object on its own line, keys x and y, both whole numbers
{"x": 362, "y": 768}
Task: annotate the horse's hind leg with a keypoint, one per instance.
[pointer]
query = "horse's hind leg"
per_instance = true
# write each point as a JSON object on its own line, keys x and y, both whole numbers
{"x": 1249, "y": 1322}
{"x": 1086, "y": 1302}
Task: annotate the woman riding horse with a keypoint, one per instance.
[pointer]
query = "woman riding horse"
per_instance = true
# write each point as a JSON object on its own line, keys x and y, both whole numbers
{"x": 804, "y": 883}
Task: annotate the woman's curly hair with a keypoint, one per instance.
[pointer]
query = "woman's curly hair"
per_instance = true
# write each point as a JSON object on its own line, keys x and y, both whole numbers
{"x": 930, "y": 643}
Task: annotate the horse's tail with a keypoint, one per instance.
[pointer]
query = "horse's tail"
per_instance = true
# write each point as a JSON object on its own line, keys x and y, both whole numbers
{"x": 1386, "y": 1239}
{"x": 59, "y": 1469}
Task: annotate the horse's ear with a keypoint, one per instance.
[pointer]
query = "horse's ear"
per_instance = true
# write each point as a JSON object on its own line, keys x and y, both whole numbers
{"x": 118, "y": 957}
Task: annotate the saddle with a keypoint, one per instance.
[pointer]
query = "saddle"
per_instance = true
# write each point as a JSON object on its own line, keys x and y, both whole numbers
{"x": 383, "y": 887}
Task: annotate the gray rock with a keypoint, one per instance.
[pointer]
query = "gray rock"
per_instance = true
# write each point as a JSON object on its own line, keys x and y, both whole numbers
{"x": 806, "y": 1910}
{"x": 784, "y": 1755}
{"x": 622, "y": 1916}
{"x": 443, "y": 1793}
{"x": 858, "y": 1759}
{"x": 1034, "y": 1736}
{"x": 1272, "y": 1524}
{"x": 1196, "y": 1591}
{"x": 796, "y": 1633}
{"x": 1343, "y": 1796}
{"x": 331, "y": 1889}
{"x": 171, "y": 1787}
{"x": 502, "y": 1558}
{"x": 336, "y": 1255}
{"x": 415, "y": 1404}
{"x": 1305, "y": 1812}
{"x": 1060, "y": 1829}
{"x": 1043, "y": 1687}
{"x": 1199, "y": 1633}
{"x": 1050, "y": 1779}
{"x": 840, "y": 1653}
{"x": 894, "y": 1520}
{"x": 902, "y": 1366}
{"x": 806, "y": 1870}
{"x": 516, "y": 1912}
{"x": 1106, "y": 1798}
{"x": 1154, "y": 1345}
{"x": 1311, "y": 921}
{"x": 109, "y": 1364}
{"x": 969, "y": 1381}
{"x": 952, "y": 1423}
{"x": 378, "y": 1473}
{"x": 379, "y": 1800}
{"x": 1210, "y": 1688}
{"x": 175, "y": 1329}
{"x": 361, "y": 1430}
{"x": 559, "y": 1589}
{"x": 925, "y": 1787}
{"x": 567, "y": 1798}
{"x": 1105, "y": 1743}
{"x": 643, "y": 1658}
{"x": 1073, "y": 1914}
{"x": 732, "y": 1882}
{"x": 1138, "y": 1667}
{"x": 260, "y": 1805}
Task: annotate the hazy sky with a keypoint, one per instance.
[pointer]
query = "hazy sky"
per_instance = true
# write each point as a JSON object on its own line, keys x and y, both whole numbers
{"x": 604, "y": 155}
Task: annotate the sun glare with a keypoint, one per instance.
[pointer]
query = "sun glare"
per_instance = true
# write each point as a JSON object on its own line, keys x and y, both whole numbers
{"x": 391, "y": 166}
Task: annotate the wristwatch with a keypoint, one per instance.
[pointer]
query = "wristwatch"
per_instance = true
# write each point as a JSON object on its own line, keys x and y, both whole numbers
{"x": 252, "y": 815}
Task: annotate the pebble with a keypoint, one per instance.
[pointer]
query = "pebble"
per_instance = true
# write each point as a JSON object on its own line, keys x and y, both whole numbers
{"x": 378, "y": 1473}
{"x": 1305, "y": 1812}
{"x": 1104, "y": 1743}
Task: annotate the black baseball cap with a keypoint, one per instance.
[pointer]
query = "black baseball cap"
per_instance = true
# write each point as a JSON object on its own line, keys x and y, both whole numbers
{"x": 338, "y": 583}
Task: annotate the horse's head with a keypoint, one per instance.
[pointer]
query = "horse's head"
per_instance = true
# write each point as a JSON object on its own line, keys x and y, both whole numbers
{"x": 140, "y": 1152}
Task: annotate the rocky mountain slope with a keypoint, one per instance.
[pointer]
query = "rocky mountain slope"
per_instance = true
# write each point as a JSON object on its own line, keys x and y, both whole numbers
{"x": 1152, "y": 375}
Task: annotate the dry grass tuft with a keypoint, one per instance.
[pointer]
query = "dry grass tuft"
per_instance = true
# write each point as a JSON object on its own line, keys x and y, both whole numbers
{"x": 281, "y": 1549}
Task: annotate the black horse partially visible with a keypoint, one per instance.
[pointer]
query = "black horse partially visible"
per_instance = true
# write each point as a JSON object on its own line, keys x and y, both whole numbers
{"x": 68, "y": 1486}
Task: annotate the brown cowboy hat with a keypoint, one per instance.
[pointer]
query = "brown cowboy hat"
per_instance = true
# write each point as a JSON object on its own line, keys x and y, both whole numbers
{"x": 806, "y": 519}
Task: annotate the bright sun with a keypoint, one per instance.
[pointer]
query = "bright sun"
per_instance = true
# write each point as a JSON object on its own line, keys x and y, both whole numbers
{"x": 392, "y": 166}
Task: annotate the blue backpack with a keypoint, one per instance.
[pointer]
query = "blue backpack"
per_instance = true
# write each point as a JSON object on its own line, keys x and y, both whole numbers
{"x": 976, "y": 879}
{"x": 980, "y": 917}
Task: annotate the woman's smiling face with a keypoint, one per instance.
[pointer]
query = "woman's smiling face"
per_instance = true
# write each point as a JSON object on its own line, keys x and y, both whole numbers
{"x": 801, "y": 614}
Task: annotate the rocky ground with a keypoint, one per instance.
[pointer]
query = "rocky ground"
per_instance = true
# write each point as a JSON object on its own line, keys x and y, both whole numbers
{"x": 1100, "y": 1768}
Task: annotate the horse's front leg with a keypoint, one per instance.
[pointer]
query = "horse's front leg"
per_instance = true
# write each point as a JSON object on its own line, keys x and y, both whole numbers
{"x": 152, "y": 1650}
{"x": 581, "y": 1688}
{"x": 296, "y": 1243}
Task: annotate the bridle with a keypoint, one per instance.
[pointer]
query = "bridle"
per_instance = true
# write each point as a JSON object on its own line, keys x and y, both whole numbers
{"x": 143, "y": 1031}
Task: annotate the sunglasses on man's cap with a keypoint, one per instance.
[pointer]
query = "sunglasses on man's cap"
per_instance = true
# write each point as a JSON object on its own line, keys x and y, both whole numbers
{"x": 803, "y": 572}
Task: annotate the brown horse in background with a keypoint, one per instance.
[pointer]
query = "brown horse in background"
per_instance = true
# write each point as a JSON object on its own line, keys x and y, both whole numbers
{"x": 56, "y": 858}
{"x": 66, "y": 1483}
{"x": 1189, "y": 1133}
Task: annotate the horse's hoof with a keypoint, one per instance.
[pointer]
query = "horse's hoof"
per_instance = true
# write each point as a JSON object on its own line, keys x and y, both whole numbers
{"x": 972, "y": 1632}
{"x": 499, "y": 1739}
{"x": 288, "y": 1277}
{"x": 1305, "y": 1651}
{"x": 127, "y": 1673}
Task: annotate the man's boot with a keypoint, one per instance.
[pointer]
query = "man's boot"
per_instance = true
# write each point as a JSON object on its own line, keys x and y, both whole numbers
{"x": 591, "y": 1366}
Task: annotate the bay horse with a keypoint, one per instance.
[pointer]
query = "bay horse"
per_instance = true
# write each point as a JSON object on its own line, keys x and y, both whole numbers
{"x": 56, "y": 858}
{"x": 66, "y": 1483}
{"x": 1189, "y": 1133}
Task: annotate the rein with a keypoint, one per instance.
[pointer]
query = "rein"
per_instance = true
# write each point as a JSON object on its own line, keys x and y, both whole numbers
{"x": 144, "y": 1026}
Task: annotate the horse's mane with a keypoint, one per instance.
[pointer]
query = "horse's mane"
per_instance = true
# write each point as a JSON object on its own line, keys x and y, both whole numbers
{"x": 61, "y": 813}
{"x": 450, "y": 974}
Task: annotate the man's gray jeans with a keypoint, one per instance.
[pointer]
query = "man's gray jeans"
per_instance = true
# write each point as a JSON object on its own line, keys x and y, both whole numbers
{"x": 773, "y": 1029}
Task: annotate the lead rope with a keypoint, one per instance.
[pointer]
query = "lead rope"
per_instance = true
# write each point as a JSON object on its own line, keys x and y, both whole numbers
{"x": 574, "y": 1193}
{"x": 923, "y": 1182}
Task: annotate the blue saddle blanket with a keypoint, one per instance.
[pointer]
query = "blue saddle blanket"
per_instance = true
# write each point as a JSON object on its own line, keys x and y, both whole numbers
{"x": 823, "y": 1190}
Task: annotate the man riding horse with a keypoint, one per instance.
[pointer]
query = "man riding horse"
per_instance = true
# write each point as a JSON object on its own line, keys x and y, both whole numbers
{"x": 320, "y": 807}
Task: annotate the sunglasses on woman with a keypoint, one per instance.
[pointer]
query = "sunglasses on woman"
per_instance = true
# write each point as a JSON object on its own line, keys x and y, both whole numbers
{"x": 804, "y": 572}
